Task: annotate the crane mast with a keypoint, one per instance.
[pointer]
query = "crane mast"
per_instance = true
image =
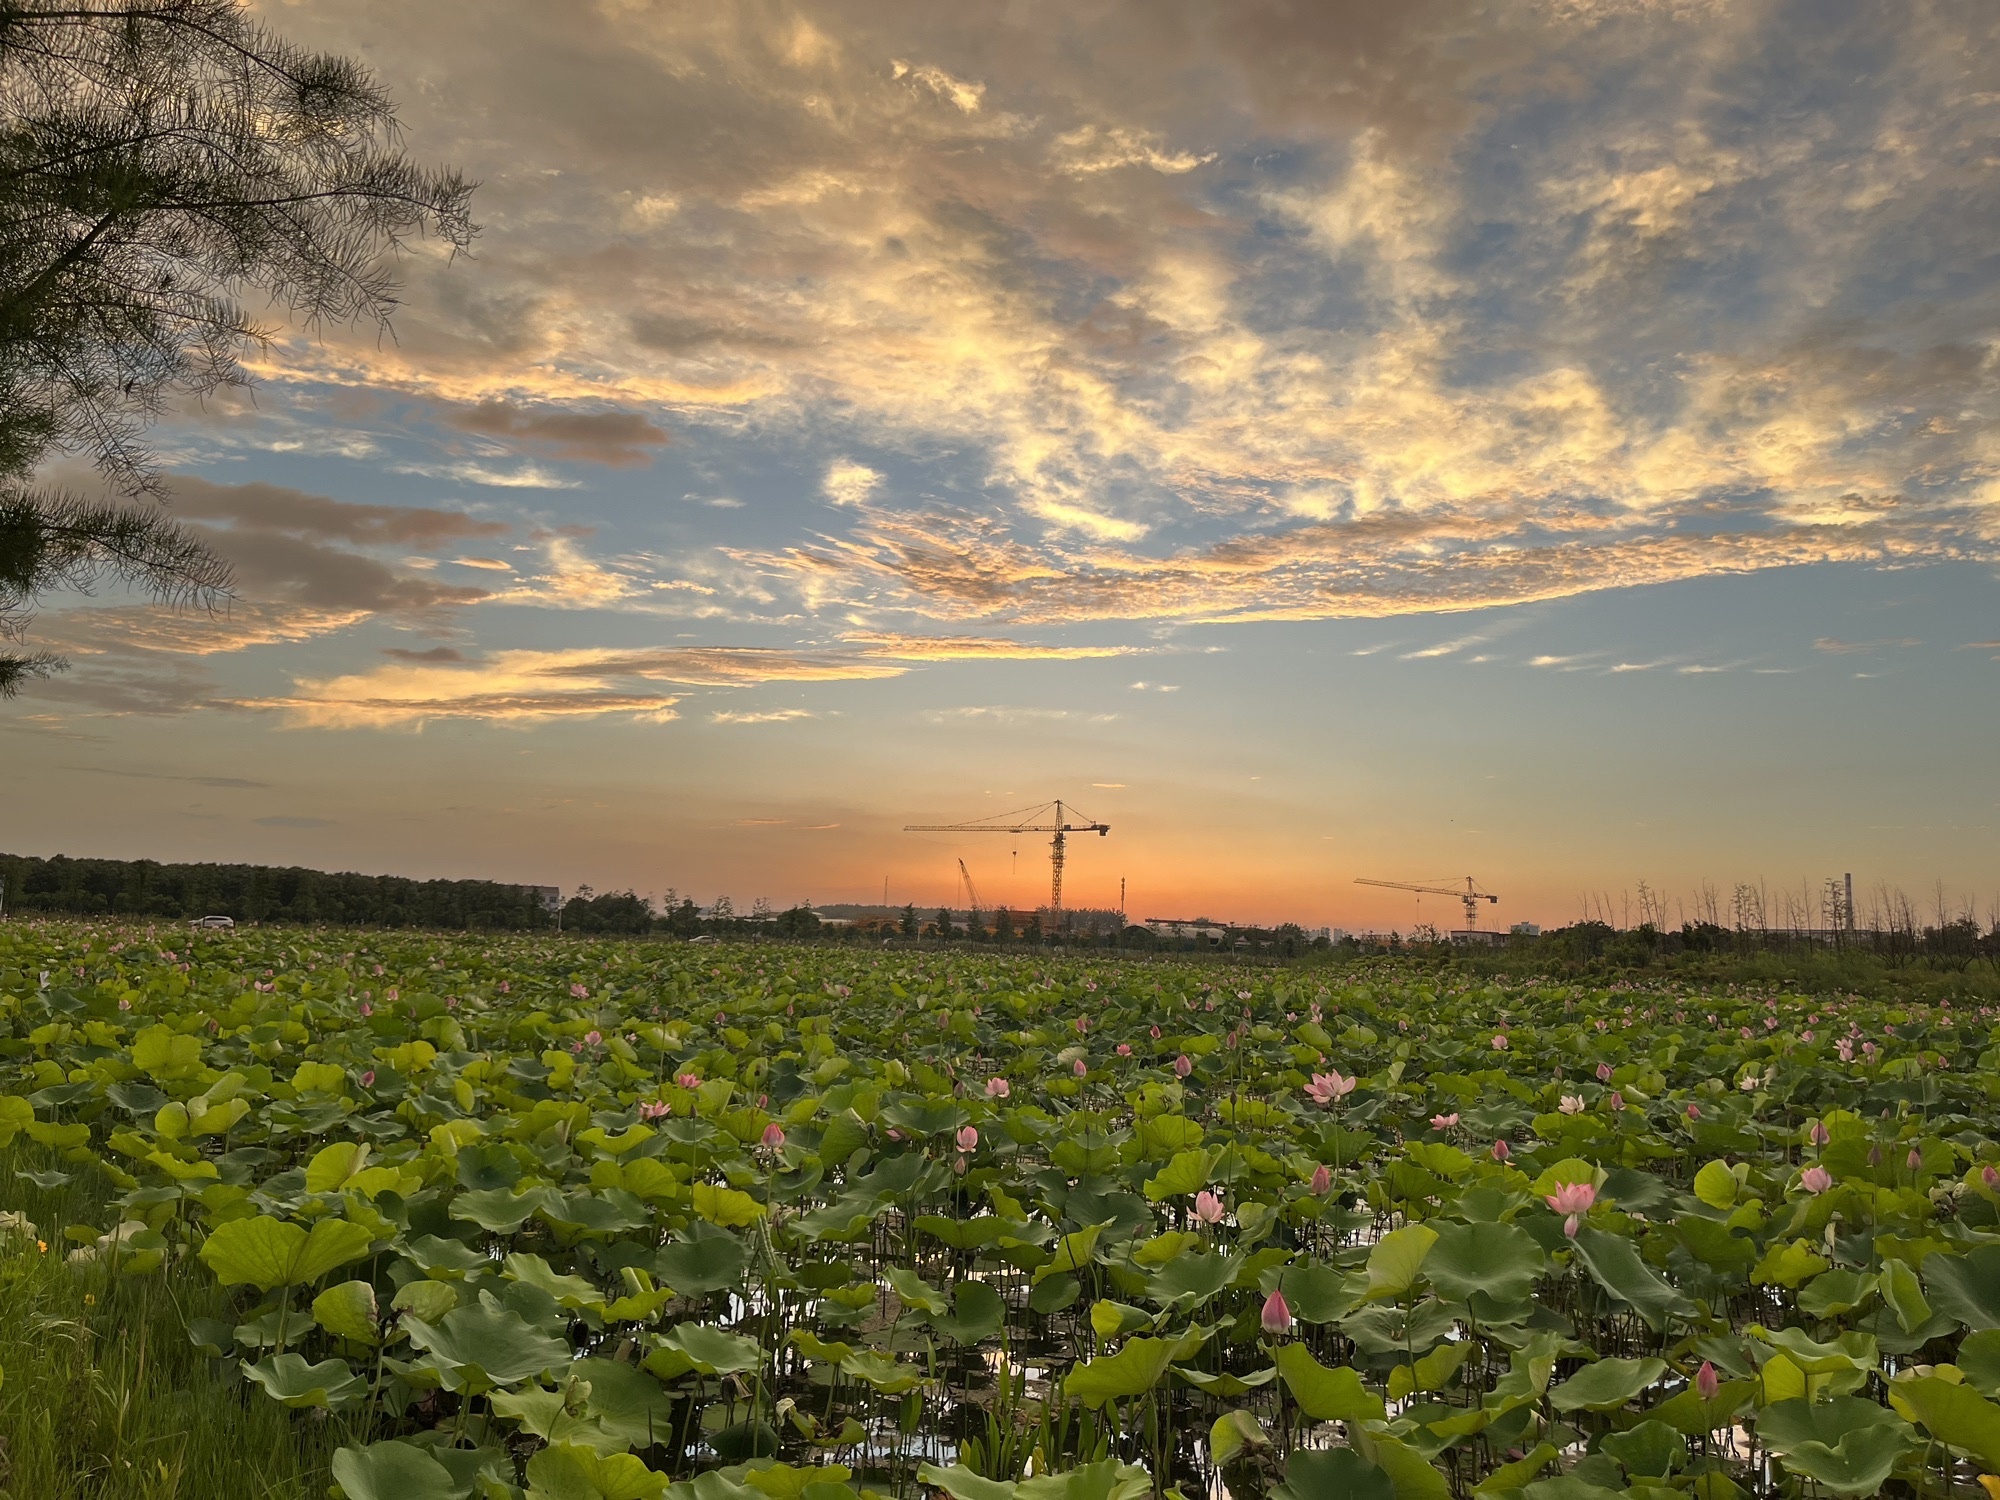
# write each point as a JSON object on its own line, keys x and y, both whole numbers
{"x": 1024, "y": 820}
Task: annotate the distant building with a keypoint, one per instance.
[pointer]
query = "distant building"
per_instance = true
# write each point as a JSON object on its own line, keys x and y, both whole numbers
{"x": 1205, "y": 930}
{"x": 549, "y": 896}
{"x": 1526, "y": 929}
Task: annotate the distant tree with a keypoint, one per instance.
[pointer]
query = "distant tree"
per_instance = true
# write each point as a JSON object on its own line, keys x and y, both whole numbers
{"x": 1031, "y": 930}
{"x": 1003, "y": 926}
{"x": 158, "y": 160}
{"x": 975, "y": 930}
{"x": 684, "y": 920}
{"x": 909, "y": 923}
{"x": 761, "y": 909}
{"x": 799, "y": 921}
{"x": 945, "y": 925}
{"x": 724, "y": 910}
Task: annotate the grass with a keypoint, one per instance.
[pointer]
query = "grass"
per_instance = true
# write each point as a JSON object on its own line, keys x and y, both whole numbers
{"x": 102, "y": 1395}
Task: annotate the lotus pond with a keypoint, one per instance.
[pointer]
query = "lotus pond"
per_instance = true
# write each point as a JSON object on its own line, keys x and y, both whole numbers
{"x": 599, "y": 1221}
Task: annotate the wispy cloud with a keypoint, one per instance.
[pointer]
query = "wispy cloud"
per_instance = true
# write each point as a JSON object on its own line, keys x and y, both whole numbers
{"x": 769, "y": 716}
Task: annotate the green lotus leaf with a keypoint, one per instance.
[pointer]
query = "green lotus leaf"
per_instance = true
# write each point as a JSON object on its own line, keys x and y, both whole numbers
{"x": 1191, "y": 1280}
{"x": 1607, "y": 1384}
{"x": 1966, "y": 1286}
{"x": 1954, "y": 1414}
{"x": 348, "y": 1311}
{"x": 1979, "y": 1361}
{"x": 393, "y": 1471}
{"x": 1716, "y": 1185}
{"x": 1396, "y": 1262}
{"x": 1326, "y": 1395}
{"x": 883, "y": 1373}
{"x": 977, "y": 1313}
{"x": 715, "y": 1351}
{"x": 725, "y": 1206}
{"x": 913, "y": 1291}
{"x": 502, "y": 1210}
{"x": 1904, "y": 1294}
{"x": 290, "y": 1379}
{"x": 566, "y": 1291}
{"x": 1135, "y": 1369}
{"x": 487, "y": 1166}
{"x": 1231, "y": 1434}
{"x": 1500, "y": 1261}
{"x": 268, "y": 1253}
{"x": 1106, "y": 1480}
{"x": 477, "y": 1347}
{"x": 1846, "y": 1444}
{"x": 627, "y": 1403}
{"x": 707, "y": 1261}
{"x": 1333, "y": 1474}
{"x": 570, "y": 1471}
{"x": 1651, "y": 1450}
{"x": 1614, "y": 1264}
{"x": 1186, "y": 1174}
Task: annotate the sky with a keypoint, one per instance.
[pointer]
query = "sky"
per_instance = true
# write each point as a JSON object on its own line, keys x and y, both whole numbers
{"x": 1553, "y": 442}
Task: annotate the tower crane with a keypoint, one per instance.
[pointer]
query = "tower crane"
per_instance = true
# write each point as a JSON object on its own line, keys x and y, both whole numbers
{"x": 1050, "y": 817}
{"x": 1471, "y": 895}
{"x": 971, "y": 896}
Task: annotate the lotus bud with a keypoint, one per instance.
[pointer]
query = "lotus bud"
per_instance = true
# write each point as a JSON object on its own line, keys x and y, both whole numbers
{"x": 1617, "y": 1100}
{"x": 1818, "y": 1135}
{"x": 968, "y": 1138}
{"x": 997, "y": 1088}
{"x": 1277, "y": 1316}
{"x": 1815, "y": 1179}
{"x": 1182, "y": 1066}
{"x": 1694, "y": 1111}
{"x": 774, "y": 1138}
{"x": 1080, "y": 1068}
{"x": 1706, "y": 1381}
{"x": 1991, "y": 1177}
{"x": 1501, "y": 1151}
{"x": 1322, "y": 1178}
{"x": 1914, "y": 1160}
{"x": 1155, "y": 1033}
{"x": 1207, "y": 1207}
{"x": 368, "y": 1082}
{"x": 1875, "y": 1155}
{"x": 1604, "y": 1072}
{"x": 1124, "y": 1049}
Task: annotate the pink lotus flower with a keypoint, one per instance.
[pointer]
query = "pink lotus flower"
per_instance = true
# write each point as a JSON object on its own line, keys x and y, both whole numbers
{"x": 1604, "y": 1072}
{"x": 968, "y": 1138}
{"x": 1277, "y": 1317}
{"x": 1617, "y": 1099}
{"x": 1500, "y": 1042}
{"x": 1444, "y": 1122}
{"x": 1124, "y": 1049}
{"x": 1815, "y": 1179}
{"x": 1183, "y": 1066}
{"x": 1846, "y": 1049}
{"x": 774, "y": 1138}
{"x": 368, "y": 1079}
{"x": 1572, "y": 1104}
{"x": 367, "y": 1009}
{"x": 1322, "y": 1178}
{"x": 652, "y": 1109}
{"x": 1501, "y": 1151}
{"x": 1914, "y": 1160}
{"x": 593, "y": 1039}
{"x": 505, "y": 986}
{"x": 1325, "y": 1088}
{"x": 1207, "y": 1207}
{"x": 1818, "y": 1133}
{"x": 997, "y": 1088}
{"x": 1573, "y": 1200}
{"x": 688, "y": 1080}
{"x": 1706, "y": 1381}
{"x": 578, "y": 992}
{"x": 1080, "y": 1068}
{"x": 1991, "y": 1177}
{"x": 1155, "y": 1033}
{"x": 1694, "y": 1111}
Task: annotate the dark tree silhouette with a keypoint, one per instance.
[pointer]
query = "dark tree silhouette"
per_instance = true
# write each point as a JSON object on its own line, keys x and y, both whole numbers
{"x": 159, "y": 160}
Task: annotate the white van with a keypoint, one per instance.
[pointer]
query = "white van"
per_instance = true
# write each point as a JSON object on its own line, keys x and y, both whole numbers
{"x": 226, "y": 924}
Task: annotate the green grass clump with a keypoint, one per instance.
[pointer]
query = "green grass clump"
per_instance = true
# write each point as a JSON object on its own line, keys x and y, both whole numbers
{"x": 101, "y": 1393}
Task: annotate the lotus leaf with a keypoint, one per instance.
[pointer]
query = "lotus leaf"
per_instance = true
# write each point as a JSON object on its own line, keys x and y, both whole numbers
{"x": 393, "y": 1471}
